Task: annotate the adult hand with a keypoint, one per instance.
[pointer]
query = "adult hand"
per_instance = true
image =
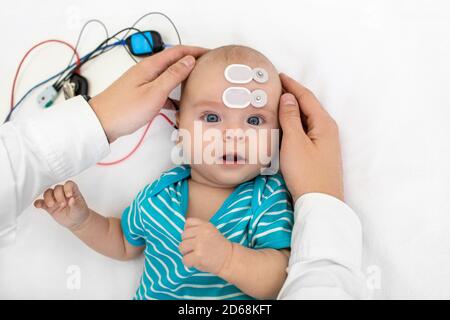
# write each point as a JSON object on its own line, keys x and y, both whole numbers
{"x": 140, "y": 93}
{"x": 310, "y": 156}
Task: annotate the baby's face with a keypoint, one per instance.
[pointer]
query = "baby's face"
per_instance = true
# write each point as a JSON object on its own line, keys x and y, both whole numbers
{"x": 201, "y": 104}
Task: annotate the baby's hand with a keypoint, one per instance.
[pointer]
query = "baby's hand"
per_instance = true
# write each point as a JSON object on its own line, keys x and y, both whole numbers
{"x": 204, "y": 247}
{"x": 65, "y": 204}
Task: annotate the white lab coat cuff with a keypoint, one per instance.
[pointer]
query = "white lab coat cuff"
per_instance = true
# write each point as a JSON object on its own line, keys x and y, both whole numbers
{"x": 326, "y": 229}
{"x": 68, "y": 136}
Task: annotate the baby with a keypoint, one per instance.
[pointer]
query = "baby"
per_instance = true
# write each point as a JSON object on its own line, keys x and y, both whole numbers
{"x": 208, "y": 230}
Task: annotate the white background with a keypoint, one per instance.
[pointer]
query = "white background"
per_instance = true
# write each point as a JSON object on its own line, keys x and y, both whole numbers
{"x": 381, "y": 68}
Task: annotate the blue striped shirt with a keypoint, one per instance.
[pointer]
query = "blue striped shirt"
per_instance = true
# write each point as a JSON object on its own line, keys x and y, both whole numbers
{"x": 258, "y": 214}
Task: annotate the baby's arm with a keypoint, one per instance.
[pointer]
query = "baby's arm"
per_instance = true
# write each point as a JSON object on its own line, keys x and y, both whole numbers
{"x": 68, "y": 207}
{"x": 259, "y": 273}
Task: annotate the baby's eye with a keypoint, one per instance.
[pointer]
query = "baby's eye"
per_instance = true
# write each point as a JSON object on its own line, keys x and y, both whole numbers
{"x": 211, "y": 117}
{"x": 255, "y": 120}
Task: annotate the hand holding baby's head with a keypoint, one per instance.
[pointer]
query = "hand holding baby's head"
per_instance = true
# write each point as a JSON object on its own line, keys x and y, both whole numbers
{"x": 235, "y": 156}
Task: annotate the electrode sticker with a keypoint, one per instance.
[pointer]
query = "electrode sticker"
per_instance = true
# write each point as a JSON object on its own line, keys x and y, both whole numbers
{"x": 240, "y": 74}
{"x": 240, "y": 97}
{"x": 237, "y": 97}
{"x": 259, "y": 98}
{"x": 260, "y": 75}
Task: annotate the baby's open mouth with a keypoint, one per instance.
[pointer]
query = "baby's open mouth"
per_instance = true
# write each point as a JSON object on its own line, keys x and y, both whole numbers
{"x": 233, "y": 158}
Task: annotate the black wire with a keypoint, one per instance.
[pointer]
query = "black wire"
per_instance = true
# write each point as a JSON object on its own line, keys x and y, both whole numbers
{"x": 94, "y": 55}
{"x": 144, "y": 16}
{"x": 130, "y": 54}
{"x": 59, "y": 82}
{"x": 91, "y": 56}
{"x": 102, "y": 51}
{"x": 79, "y": 38}
{"x": 160, "y": 14}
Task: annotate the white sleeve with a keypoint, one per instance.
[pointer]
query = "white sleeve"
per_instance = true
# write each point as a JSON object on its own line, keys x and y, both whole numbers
{"x": 40, "y": 151}
{"x": 326, "y": 251}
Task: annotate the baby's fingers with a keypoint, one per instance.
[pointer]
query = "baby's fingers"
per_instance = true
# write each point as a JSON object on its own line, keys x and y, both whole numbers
{"x": 49, "y": 198}
{"x": 190, "y": 260}
{"x": 40, "y": 204}
{"x": 71, "y": 202}
{"x": 71, "y": 189}
{"x": 189, "y": 233}
{"x": 59, "y": 195}
{"x": 187, "y": 246}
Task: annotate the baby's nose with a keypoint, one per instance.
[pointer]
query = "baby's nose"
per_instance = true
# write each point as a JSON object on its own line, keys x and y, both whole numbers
{"x": 234, "y": 134}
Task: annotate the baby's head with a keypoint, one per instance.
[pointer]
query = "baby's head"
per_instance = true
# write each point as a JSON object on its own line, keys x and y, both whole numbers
{"x": 201, "y": 103}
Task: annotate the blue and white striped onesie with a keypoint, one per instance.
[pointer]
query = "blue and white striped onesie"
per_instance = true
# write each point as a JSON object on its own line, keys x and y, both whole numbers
{"x": 258, "y": 214}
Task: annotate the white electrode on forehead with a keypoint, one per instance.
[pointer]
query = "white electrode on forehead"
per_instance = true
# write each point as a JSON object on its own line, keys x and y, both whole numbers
{"x": 241, "y": 97}
{"x": 259, "y": 98}
{"x": 240, "y": 74}
{"x": 260, "y": 75}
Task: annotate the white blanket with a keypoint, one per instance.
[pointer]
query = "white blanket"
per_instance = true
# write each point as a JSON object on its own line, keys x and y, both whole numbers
{"x": 381, "y": 68}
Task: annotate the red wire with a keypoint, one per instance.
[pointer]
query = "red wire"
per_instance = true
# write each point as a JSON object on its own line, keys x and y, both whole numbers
{"x": 141, "y": 139}
{"x": 26, "y": 55}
